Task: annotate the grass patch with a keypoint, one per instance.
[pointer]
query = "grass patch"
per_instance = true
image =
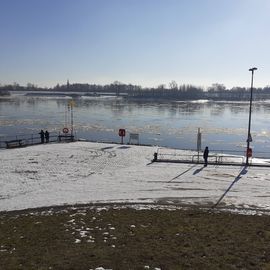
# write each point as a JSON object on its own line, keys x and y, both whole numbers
{"x": 125, "y": 238}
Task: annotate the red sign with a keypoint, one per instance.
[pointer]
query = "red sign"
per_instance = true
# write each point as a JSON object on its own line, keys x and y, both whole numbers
{"x": 122, "y": 132}
{"x": 65, "y": 130}
{"x": 249, "y": 152}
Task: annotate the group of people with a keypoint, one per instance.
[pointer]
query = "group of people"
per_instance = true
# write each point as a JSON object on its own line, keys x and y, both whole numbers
{"x": 44, "y": 136}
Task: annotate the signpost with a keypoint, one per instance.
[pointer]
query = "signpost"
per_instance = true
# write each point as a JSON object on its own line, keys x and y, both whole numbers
{"x": 68, "y": 130}
{"x": 71, "y": 105}
{"x": 249, "y": 138}
{"x": 199, "y": 142}
{"x": 122, "y": 134}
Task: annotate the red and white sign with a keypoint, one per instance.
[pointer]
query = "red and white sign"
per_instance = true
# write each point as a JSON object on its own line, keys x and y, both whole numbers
{"x": 65, "y": 130}
{"x": 122, "y": 132}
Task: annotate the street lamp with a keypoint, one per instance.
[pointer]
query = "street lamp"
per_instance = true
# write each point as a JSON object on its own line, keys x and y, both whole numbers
{"x": 249, "y": 138}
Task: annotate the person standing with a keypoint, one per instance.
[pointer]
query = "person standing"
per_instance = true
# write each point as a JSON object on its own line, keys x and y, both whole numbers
{"x": 42, "y": 134}
{"x": 47, "y": 136}
{"x": 205, "y": 156}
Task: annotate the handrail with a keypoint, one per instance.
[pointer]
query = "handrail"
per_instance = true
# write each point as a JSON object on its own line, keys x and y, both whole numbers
{"x": 221, "y": 158}
{"x": 29, "y": 139}
{"x": 209, "y": 157}
{"x": 221, "y": 155}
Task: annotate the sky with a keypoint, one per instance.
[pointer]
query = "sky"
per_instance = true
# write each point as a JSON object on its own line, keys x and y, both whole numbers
{"x": 144, "y": 42}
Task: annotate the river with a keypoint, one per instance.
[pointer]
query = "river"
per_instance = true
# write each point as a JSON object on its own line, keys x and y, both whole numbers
{"x": 172, "y": 124}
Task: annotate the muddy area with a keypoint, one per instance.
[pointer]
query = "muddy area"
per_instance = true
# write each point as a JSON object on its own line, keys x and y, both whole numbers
{"x": 114, "y": 237}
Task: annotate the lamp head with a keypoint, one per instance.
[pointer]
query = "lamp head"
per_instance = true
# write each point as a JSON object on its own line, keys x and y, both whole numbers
{"x": 253, "y": 69}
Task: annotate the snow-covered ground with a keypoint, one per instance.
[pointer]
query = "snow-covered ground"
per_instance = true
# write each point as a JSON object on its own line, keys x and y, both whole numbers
{"x": 84, "y": 172}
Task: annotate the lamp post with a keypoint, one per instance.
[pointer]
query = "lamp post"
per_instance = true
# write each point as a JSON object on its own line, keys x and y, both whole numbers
{"x": 249, "y": 139}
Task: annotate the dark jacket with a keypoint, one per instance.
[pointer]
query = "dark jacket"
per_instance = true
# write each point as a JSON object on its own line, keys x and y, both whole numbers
{"x": 205, "y": 153}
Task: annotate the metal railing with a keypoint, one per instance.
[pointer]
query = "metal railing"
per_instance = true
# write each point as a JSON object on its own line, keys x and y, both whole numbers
{"x": 27, "y": 139}
{"x": 192, "y": 156}
{"x": 231, "y": 159}
{"x": 199, "y": 158}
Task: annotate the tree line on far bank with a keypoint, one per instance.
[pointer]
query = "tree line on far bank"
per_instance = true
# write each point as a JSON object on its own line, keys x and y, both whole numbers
{"x": 172, "y": 92}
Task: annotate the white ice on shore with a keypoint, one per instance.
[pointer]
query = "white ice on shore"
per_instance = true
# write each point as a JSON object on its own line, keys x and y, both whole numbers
{"x": 84, "y": 172}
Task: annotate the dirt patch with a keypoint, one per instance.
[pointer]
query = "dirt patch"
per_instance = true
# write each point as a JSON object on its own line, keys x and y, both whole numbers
{"x": 125, "y": 238}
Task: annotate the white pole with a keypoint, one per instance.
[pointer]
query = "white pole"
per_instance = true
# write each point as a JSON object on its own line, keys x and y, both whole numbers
{"x": 199, "y": 142}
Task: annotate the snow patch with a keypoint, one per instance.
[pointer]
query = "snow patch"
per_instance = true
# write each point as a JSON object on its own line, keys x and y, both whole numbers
{"x": 104, "y": 174}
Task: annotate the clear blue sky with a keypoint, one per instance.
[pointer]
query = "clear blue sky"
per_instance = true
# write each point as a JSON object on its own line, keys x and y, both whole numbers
{"x": 146, "y": 42}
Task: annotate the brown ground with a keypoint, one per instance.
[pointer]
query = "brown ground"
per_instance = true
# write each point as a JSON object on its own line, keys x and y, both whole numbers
{"x": 133, "y": 239}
